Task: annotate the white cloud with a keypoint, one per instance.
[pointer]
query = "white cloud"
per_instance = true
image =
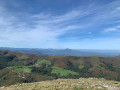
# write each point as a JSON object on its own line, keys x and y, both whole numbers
{"x": 47, "y": 27}
{"x": 118, "y": 8}
{"x": 113, "y": 29}
{"x": 109, "y": 30}
{"x": 43, "y": 28}
{"x": 118, "y": 26}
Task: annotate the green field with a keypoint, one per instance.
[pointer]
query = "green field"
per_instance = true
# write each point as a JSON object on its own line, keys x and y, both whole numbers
{"x": 40, "y": 62}
{"x": 20, "y": 69}
{"x": 62, "y": 72}
{"x": 27, "y": 69}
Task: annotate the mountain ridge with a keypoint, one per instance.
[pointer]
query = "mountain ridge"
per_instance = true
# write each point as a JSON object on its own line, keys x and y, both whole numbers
{"x": 67, "y": 52}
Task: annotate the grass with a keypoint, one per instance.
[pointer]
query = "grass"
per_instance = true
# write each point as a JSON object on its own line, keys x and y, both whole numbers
{"x": 40, "y": 62}
{"x": 80, "y": 67}
{"x": 23, "y": 57}
{"x": 68, "y": 84}
{"x": 20, "y": 69}
{"x": 62, "y": 72}
{"x": 27, "y": 69}
{"x": 78, "y": 88}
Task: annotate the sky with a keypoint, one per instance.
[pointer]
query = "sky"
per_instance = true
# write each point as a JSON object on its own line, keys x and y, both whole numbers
{"x": 75, "y": 24}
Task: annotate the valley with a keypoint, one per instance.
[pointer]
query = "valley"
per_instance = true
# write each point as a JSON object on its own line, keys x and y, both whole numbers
{"x": 16, "y": 67}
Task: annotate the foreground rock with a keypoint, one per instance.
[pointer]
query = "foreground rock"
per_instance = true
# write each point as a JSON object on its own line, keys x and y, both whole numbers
{"x": 68, "y": 84}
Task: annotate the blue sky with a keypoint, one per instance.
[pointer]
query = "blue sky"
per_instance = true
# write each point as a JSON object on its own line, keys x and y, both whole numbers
{"x": 76, "y": 24}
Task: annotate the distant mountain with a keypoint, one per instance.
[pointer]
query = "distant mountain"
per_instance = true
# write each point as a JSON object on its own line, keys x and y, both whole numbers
{"x": 118, "y": 56}
{"x": 16, "y": 67}
{"x": 66, "y": 52}
{"x": 25, "y": 50}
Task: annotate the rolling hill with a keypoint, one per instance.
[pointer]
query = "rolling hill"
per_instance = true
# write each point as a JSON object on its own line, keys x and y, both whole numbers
{"x": 16, "y": 67}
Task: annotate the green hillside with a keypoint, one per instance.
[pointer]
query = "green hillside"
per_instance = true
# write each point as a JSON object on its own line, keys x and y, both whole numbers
{"x": 24, "y": 68}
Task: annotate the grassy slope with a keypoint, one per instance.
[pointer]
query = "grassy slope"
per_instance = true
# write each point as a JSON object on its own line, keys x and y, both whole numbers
{"x": 55, "y": 70}
{"x": 98, "y": 67}
{"x": 68, "y": 84}
{"x": 62, "y": 72}
{"x": 8, "y": 77}
{"x": 40, "y": 62}
{"x": 20, "y": 69}
{"x": 27, "y": 69}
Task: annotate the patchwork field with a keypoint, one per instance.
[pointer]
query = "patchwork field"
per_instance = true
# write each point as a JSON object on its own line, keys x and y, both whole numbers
{"x": 62, "y": 72}
{"x": 25, "y": 68}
